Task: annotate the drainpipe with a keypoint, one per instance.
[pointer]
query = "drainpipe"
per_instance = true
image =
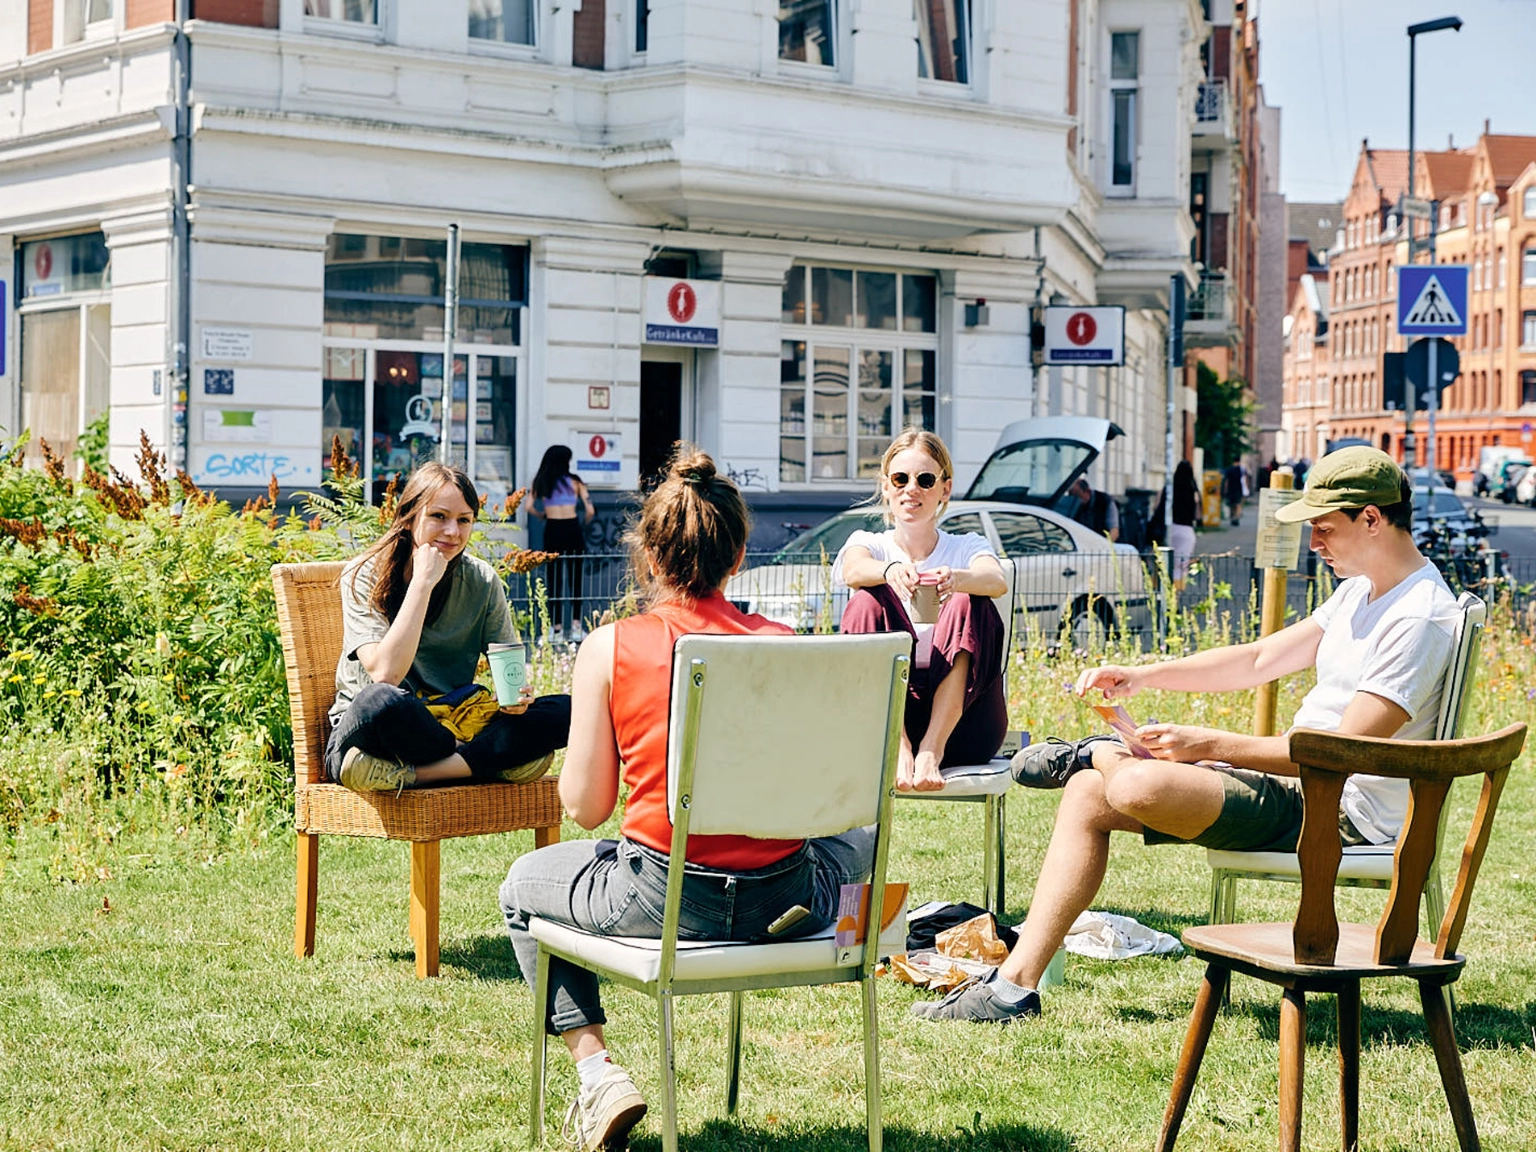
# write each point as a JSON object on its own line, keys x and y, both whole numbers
{"x": 180, "y": 335}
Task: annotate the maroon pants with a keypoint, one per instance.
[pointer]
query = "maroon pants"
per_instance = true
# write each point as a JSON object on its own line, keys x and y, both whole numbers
{"x": 966, "y": 624}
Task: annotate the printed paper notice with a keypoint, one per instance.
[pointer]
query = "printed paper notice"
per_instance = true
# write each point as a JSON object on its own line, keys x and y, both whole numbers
{"x": 228, "y": 344}
{"x": 1278, "y": 545}
{"x": 237, "y": 426}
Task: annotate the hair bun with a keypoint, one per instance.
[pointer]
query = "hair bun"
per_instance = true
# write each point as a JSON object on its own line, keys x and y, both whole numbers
{"x": 694, "y": 468}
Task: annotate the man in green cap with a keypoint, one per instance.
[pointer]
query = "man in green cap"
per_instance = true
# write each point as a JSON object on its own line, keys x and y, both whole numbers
{"x": 1381, "y": 645}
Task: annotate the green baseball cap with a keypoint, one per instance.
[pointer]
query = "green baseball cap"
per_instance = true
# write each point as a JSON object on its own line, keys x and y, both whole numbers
{"x": 1349, "y": 478}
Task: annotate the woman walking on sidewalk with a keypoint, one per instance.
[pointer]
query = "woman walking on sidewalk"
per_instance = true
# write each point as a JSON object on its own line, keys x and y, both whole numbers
{"x": 557, "y": 491}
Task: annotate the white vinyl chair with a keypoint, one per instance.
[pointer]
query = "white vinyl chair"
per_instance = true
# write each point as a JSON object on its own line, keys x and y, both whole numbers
{"x": 775, "y": 737}
{"x": 987, "y": 784}
{"x": 1366, "y": 865}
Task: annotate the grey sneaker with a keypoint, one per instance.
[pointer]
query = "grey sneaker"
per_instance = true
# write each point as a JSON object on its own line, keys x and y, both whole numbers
{"x": 364, "y": 772}
{"x": 526, "y": 773}
{"x": 1052, "y": 763}
{"x": 601, "y": 1117}
{"x": 978, "y": 1003}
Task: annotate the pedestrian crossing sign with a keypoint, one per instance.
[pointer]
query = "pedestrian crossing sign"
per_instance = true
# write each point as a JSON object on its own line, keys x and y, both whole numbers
{"x": 1432, "y": 300}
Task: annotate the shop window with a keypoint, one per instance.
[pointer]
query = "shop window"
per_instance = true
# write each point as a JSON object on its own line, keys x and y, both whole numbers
{"x": 1124, "y": 75}
{"x": 345, "y": 11}
{"x": 944, "y": 40}
{"x": 858, "y": 363}
{"x": 506, "y": 21}
{"x": 808, "y": 31}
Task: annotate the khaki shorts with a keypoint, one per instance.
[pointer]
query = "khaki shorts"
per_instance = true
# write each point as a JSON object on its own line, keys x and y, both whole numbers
{"x": 1259, "y": 813}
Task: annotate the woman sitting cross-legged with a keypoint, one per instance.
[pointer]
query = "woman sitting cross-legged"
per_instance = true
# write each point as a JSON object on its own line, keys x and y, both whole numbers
{"x": 690, "y": 537}
{"x": 956, "y": 713}
{"x": 418, "y": 611}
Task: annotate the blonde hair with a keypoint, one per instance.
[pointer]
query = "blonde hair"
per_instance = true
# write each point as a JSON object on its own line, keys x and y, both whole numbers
{"x": 925, "y": 441}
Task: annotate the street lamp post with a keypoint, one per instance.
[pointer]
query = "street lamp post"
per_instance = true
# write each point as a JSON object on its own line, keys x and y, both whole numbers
{"x": 1414, "y": 32}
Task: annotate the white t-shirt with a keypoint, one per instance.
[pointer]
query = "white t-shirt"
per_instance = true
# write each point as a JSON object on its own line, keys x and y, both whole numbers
{"x": 1398, "y": 647}
{"x": 950, "y": 552}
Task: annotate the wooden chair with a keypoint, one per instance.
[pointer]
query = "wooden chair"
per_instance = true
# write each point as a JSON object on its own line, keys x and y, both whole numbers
{"x": 1366, "y": 865}
{"x": 1318, "y": 954}
{"x": 987, "y": 784}
{"x": 775, "y": 737}
{"x": 309, "y": 615}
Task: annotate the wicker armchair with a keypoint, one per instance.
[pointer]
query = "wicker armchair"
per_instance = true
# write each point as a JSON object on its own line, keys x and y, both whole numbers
{"x": 309, "y": 615}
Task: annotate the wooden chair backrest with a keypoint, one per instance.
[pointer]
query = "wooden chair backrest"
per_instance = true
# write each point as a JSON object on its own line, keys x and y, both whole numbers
{"x": 1326, "y": 760}
{"x": 309, "y": 619}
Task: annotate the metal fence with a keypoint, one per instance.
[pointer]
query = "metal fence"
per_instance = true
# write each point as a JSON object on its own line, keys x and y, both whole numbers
{"x": 1132, "y": 600}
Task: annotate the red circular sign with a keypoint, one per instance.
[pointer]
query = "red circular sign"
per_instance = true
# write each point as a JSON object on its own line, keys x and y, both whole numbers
{"x": 597, "y": 446}
{"x": 43, "y": 261}
{"x": 682, "y": 302}
{"x": 1081, "y": 329}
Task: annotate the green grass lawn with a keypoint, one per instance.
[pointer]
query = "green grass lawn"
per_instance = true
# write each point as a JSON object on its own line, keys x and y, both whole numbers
{"x": 162, "y": 1007}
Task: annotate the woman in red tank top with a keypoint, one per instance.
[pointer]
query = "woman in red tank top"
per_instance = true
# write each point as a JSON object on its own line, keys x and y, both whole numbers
{"x": 691, "y": 535}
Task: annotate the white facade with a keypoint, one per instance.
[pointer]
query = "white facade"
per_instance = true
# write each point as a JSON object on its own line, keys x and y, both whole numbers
{"x": 705, "y": 148}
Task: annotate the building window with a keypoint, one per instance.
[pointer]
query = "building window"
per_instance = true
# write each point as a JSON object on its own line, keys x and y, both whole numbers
{"x": 1528, "y": 266}
{"x": 383, "y": 388}
{"x": 506, "y": 21}
{"x": 86, "y": 19}
{"x": 1528, "y": 329}
{"x": 642, "y": 25}
{"x": 347, "y": 11}
{"x": 1528, "y": 203}
{"x": 944, "y": 40}
{"x": 859, "y": 362}
{"x": 807, "y": 31}
{"x": 66, "y": 341}
{"x": 1528, "y": 387}
{"x": 1124, "y": 70}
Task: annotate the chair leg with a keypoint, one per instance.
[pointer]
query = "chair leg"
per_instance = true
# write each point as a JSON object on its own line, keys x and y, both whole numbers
{"x": 425, "y": 871}
{"x": 668, "y": 1075}
{"x": 992, "y": 894}
{"x": 1293, "y": 1054}
{"x": 872, "y": 1114}
{"x": 544, "y": 837}
{"x": 1348, "y": 1005}
{"x": 733, "y": 1055}
{"x": 1437, "y": 1018}
{"x": 1201, "y": 1021}
{"x": 308, "y": 876}
{"x": 540, "y": 1051}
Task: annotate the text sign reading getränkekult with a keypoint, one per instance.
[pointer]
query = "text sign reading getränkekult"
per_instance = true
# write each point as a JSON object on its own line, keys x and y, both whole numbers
{"x": 1278, "y": 545}
{"x": 1084, "y": 335}
{"x": 1432, "y": 300}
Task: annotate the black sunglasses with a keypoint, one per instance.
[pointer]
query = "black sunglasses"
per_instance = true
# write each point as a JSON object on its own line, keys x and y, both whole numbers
{"x": 925, "y": 480}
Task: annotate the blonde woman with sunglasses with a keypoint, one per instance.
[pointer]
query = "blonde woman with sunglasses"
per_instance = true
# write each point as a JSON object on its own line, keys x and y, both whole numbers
{"x": 956, "y": 713}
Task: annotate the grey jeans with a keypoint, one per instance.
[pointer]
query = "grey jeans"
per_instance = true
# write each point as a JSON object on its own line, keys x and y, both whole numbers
{"x": 618, "y": 888}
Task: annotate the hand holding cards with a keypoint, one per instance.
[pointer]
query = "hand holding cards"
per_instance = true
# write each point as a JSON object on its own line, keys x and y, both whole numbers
{"x": 1120, "y": 720}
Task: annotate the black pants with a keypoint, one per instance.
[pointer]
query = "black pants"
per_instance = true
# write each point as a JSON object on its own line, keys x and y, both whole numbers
{"x": 564, "y": 537}
{"x": 384, "y": 720}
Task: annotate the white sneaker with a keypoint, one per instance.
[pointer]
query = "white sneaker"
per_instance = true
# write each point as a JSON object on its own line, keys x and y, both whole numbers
{"x": 602, "y": 1116}
{"x": 364, "y": 772}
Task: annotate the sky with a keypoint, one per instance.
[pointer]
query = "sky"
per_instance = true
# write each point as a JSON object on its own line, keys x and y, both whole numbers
{"x": 1338, "y": 70}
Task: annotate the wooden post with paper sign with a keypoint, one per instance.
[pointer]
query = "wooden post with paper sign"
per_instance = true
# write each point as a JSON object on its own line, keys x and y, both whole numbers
{"x": 1277, "y": 550}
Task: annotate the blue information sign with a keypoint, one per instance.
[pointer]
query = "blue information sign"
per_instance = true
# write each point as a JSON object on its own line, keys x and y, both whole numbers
{"x": 1432, "y": 300}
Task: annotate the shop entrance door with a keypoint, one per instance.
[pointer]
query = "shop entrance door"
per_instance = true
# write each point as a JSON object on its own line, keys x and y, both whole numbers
{"x": 661, "y": 416}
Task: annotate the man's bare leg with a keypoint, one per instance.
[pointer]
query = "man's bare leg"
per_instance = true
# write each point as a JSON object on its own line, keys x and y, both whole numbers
{"x": 1124, "y": 794}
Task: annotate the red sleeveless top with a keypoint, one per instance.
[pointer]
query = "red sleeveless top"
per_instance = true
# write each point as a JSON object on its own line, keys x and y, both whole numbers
{"x": 640, "y": 704}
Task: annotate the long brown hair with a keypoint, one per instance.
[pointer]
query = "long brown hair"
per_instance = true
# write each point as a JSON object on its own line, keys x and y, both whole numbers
{"x": 693, "y": 528}
{"x": 390, "y": 554}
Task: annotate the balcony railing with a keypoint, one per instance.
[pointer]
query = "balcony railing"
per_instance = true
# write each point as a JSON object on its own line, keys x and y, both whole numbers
{"x": 1211, "y": 101}
{"x": 1210, "y": 301}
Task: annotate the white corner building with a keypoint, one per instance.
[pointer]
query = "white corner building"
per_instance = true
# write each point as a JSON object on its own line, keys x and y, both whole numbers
{"x": 782, "y": 230}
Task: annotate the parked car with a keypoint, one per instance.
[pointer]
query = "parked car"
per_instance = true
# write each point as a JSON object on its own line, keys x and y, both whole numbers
{"x": 1439, "y": 512}
{"x": 1065, "y": 570}
{"x": 1507, "y": 483}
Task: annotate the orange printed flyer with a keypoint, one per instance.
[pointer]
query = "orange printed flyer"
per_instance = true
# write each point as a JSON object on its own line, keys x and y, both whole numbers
{"x": 1120, "y": 720}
